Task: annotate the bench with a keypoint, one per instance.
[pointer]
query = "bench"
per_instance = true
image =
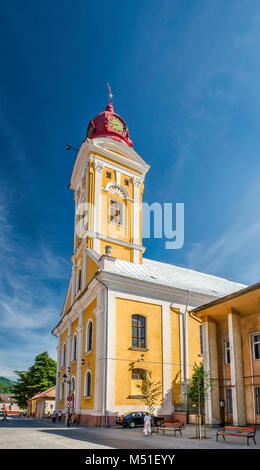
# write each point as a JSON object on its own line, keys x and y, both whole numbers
{"x": 171, "y": 426}
{"x": 240, "y": 431}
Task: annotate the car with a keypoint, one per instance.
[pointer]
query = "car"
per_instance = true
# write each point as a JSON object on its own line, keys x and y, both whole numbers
{"x": 136, "y": 418}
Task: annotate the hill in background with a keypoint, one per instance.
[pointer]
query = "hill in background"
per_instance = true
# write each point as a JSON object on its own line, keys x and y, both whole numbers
{"x": 6, "y": 385}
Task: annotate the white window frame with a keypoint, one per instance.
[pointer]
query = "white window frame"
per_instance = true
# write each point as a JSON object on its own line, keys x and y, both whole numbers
{"x": 79, "y": 277}
{"x": 253, "y": 345}
{"x": 257, "y": 408}
{"x": 63, "y": 356}
{"x": 74, "y": 348}
{"x": 86, "y": 386}
{"x": 226, "y": 349}
{"x": 122, "y": 212}
{"x": 87, "y": 336}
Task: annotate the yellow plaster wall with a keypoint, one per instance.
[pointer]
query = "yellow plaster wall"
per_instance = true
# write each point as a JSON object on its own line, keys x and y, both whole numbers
{"x": 193, "y": 329}
{"x": 92, "y": 268}
{"x": 88, "y": 403}
{"x": 118, "y": 251}
{"x": 126, "y": 357}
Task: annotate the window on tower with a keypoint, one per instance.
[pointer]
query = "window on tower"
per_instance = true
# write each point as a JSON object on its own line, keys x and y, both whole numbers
{"x": 116, "y": 212}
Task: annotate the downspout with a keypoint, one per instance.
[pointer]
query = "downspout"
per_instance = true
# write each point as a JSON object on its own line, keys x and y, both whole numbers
{"x": 106, "y": 316}
{"x": 185, "y": 348}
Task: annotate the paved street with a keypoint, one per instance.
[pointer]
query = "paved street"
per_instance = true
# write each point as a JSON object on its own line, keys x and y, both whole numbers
{"x": 26, "y": 433}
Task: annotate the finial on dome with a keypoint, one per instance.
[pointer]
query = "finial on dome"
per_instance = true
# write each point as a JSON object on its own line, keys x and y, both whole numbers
{"x": 110, "y": 106}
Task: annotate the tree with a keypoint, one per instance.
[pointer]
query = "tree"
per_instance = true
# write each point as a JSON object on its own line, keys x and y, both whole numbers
{"x": 40, "y": 376}
{"x": 197, "y": 390}
{"x": 151, "y": 393}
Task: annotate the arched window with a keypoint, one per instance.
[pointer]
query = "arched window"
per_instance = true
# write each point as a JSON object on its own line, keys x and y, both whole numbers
{"x": 88, "y": 380}
{"x": 138, "y": 331}
{"x": 73, "y": 384}
{"x": 79, "y": 280}
{"x": 74, "y": 348}
{"x": 89, "y": 340}
{"x": 63, "y": 359}
{"x": 62, "y": 391}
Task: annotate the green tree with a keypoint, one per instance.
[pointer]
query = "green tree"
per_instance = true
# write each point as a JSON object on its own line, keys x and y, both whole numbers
{"x": 151, "y": 392}
{"x": 197, "y": 390}
{"x": 39, "y": 377}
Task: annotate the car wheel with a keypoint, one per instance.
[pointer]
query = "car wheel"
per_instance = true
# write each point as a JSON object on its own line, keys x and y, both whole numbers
{"x": 132, "y": 424}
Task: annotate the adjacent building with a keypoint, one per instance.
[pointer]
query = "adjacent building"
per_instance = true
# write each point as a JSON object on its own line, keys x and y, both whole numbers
{"x": 42, "y": 403}
{"x": 124, "y": 314}
{"x": 231, "y": 351}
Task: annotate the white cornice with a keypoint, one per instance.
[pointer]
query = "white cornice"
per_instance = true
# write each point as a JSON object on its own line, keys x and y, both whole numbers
{"x": 118, "y": 152}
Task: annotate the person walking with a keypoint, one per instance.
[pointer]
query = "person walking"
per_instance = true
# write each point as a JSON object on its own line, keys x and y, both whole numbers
{"x": 59, "y": 416}
{"x": 54, "y": 416}
{"x": 147, "y": 424}
{"x": 4, "y": 415}
{"x": 48, "y": 416}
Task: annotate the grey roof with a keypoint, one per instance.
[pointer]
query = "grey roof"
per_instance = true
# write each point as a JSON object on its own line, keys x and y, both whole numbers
{"x": 176, "y": 277}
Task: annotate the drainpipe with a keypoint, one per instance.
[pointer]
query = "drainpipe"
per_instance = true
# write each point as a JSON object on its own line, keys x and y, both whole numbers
{"x": 106, "y": 315}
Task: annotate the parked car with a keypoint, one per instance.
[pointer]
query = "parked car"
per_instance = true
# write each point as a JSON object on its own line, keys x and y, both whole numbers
{"x": 136, "y": 418}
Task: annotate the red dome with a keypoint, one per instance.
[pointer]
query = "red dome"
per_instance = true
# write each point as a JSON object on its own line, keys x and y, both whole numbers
{"x": 109, "y": 124}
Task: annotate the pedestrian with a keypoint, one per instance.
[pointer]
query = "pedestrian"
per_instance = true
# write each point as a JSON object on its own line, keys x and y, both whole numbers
{"x": 147, "y": 424}
{"x": 54, "y": 416}
{"x": 59, "y": 416}
{"x": 48, "y": 416}
{"x": 33, "y": 414}
{"x": 4, "y": 415}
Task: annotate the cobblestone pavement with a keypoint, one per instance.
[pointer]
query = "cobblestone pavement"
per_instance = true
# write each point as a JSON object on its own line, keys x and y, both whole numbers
{"x": 26, "y": 433}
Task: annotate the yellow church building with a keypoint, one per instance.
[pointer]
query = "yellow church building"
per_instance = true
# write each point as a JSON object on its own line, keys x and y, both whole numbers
{"x": 124, "y": 315}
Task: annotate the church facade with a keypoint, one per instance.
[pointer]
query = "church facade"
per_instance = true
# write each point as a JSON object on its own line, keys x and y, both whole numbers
{"x": 124, "y": 315}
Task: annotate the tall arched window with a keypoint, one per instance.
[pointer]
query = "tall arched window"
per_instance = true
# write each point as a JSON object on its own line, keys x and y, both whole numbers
{"x": 88, "y": 380}
{"x": 79, "y": 280}
{"x": 74, "y": 348}
{"x": 73, "y": 384}
{"x": 63, "y": 359}
{"x": 138, "y": 331}
{"x": 89, "y": 339}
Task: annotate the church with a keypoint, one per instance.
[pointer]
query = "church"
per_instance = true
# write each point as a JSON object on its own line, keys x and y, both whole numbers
{"x": 124, "y": 315}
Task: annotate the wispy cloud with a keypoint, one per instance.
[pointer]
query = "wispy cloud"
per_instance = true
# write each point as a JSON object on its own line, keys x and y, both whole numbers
{"x": 31, "y": 297}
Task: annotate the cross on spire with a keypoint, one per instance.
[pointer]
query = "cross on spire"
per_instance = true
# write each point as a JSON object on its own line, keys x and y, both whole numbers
{"x": 110, "y": 93}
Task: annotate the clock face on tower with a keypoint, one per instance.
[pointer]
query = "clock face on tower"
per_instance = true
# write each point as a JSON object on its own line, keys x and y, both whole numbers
{"x": 116, "y": 124}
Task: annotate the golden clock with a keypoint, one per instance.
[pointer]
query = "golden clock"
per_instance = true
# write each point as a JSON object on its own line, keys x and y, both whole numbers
{"x": 116, "y": 124}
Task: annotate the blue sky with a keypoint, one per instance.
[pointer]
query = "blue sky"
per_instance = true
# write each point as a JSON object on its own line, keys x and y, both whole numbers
{"x": 185, "y": 78}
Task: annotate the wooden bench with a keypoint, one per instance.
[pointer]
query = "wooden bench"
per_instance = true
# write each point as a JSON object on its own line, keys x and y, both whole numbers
{"x": 240, "y": 431}
{"x": 171, "y": 426}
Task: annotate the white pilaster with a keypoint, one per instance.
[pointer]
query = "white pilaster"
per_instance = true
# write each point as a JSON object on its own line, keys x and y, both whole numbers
{"x": 210, "y": 360}
{"x": 69, "y": 338}
{"x": 111, "y": 352}
{"x": 100, "y": 354}
{"x": 58, "y": 373}
{"x": 136, "y": 217}
{"x": 84, "y": 277}
{"x": 97, "y": 203}
{"x": 167, "y": 367}
{"x": 236, "y": 368}
{"x": 80, "y": 330}
{"x": 73, "y": 280}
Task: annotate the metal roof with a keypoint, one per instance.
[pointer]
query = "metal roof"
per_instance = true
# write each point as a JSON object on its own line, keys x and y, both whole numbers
{"x": 176, "y": 277}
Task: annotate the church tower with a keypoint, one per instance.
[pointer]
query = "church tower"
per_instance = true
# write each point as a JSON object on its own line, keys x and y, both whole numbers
{"x": 107, "y": 180}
